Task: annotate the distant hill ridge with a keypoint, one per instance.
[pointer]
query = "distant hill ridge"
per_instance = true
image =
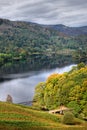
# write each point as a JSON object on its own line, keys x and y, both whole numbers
{"x": 70, "y": 31}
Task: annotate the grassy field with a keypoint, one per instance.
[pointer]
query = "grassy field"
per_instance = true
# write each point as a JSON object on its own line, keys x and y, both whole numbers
{"x": 16, "y": 117}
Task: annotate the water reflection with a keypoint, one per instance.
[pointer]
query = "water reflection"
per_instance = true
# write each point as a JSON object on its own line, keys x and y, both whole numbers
{"x": 22, "y": 89}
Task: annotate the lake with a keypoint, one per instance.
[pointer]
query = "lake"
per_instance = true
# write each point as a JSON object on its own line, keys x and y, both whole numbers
{"x": 21, "y": 86}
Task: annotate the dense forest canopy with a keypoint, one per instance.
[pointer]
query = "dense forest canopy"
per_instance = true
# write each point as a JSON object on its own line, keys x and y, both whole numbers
{"x": 69, "y": 89}
{"x": 25, "y": 42}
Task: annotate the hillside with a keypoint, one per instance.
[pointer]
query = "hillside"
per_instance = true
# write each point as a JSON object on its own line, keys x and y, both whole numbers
{"x": 30, "y": 44}
{"x": 70, "y": 31}
{"x": 69, "y": 89}
{"x": 15, "y": 117}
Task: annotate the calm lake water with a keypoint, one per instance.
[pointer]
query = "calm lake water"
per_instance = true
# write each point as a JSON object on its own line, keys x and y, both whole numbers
{"x": 22, "y": 87}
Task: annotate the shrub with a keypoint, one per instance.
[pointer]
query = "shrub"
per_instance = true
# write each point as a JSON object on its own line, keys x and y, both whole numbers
{"x": 68, "y": 118}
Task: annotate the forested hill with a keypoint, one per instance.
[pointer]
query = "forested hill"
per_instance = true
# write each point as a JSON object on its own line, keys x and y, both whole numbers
{"x": 26, "y": 42}
{"x": 70, "y": 31}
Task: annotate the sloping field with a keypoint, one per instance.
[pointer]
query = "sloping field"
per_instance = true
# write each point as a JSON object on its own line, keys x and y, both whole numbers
{"x": 15, "y": 117}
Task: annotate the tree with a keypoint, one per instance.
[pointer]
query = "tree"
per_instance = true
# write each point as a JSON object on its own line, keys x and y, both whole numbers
{"x": 80, "y": 65}
{"x": 76, "y": 107}
{"x": 9, "y": 99}
{"x": 39, "y": 95}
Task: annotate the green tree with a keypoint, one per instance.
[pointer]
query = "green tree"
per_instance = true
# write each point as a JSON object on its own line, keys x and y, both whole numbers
{"x": 75, "y": 107}
{"x": 80, "y": 65}
{"x": 39, "y": 95}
